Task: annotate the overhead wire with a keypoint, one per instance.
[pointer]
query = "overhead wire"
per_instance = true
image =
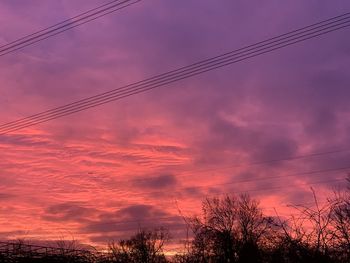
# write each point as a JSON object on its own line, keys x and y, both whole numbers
{"x": 240, "y": 165}
{"x": 178, "y": 217}
{"x": 201, "y": 67}
{"x": 283, "y": 187}
{"x": 90, "y": 105}
{"x": 65, "y": 25}
{"x": 343, "y": 24}
{"x": 175, "y": 218}
{"x": 178, "y": 190}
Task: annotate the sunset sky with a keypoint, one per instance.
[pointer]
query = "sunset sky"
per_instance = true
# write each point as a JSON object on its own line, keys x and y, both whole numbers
{"x": 100, "y": 174}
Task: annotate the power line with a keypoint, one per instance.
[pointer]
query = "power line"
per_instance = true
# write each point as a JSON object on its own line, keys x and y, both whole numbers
{"x": 181, "y": 189}
{"x": 65, "y": 25}
{"x": 167, "y": 218}
{"x": 124, "y": 92}
{"x": 284, "y": 40}
{"x": 285, "y": 159}
{"x": 178, "y": 191}
{"x": 247, "y": 164}
{"x": 180, "y": 217}
{"x": 174, "y": 217}
{"x": 312, "y": 172}
{"x": 287, "y": 186}
{"x": 276, "y": 177}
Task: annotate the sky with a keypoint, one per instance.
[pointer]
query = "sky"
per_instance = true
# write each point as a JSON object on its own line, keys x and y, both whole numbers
{"x": 146, "y": 160}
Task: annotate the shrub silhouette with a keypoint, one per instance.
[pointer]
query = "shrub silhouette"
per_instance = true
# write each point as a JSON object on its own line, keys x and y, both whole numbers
{"x": 144, "y": 247}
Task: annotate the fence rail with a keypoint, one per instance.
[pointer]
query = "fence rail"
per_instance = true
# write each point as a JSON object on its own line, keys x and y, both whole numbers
{"x": 14, "y": 252}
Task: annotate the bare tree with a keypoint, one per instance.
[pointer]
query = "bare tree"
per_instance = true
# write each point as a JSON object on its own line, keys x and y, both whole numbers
{"x": 256, "y": 230}
{"x": 230, "y": 230}
{"x": 144, "y": 247}
{"x": 340, "y": 221}
{"x": 318, "y": 234}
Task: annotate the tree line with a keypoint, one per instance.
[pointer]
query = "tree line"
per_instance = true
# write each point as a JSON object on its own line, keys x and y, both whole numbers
{"x": 234, "y": 229}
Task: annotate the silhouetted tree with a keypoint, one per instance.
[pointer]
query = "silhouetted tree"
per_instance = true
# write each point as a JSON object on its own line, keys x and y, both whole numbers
{"x": 340, "y": 221}
{"x": 144, "y": 247}
{"x": 231, "y": 229}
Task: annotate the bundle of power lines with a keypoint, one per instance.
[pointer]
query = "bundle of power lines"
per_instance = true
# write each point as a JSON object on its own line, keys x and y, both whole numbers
{"x": 203, "y": 66}
{"x": 65, "y": 25}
